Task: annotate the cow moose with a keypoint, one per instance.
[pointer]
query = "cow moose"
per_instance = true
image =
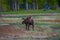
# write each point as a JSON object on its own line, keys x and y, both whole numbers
{"x": 28, "y": 21}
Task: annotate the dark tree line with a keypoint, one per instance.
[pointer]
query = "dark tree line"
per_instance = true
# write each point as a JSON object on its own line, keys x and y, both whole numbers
{"x": 16, "y": 5}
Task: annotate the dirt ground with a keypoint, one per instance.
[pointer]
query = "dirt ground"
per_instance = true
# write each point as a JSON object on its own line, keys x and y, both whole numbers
{"x": 6, "y": 30}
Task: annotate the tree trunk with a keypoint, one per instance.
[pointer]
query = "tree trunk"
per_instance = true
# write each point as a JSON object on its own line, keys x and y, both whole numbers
{"x": 37, "y": 6}
{"x": 33, "y": 5}
{"x": 0, "y": 6}
{"x": 18, "y": 7}
{"x": 26, "y": 3}
{"x": 15, "y": 6}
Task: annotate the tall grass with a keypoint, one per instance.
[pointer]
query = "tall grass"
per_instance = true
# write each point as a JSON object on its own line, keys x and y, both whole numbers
{"x": 31, "y": 12}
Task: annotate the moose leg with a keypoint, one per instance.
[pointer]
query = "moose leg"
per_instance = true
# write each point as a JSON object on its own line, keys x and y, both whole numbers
{"x": 33, "y": 27}
{"x": 26, "y": 27}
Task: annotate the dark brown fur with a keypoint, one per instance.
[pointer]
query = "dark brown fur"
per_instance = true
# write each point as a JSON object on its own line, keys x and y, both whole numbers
{"x": 28, "y": 21}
